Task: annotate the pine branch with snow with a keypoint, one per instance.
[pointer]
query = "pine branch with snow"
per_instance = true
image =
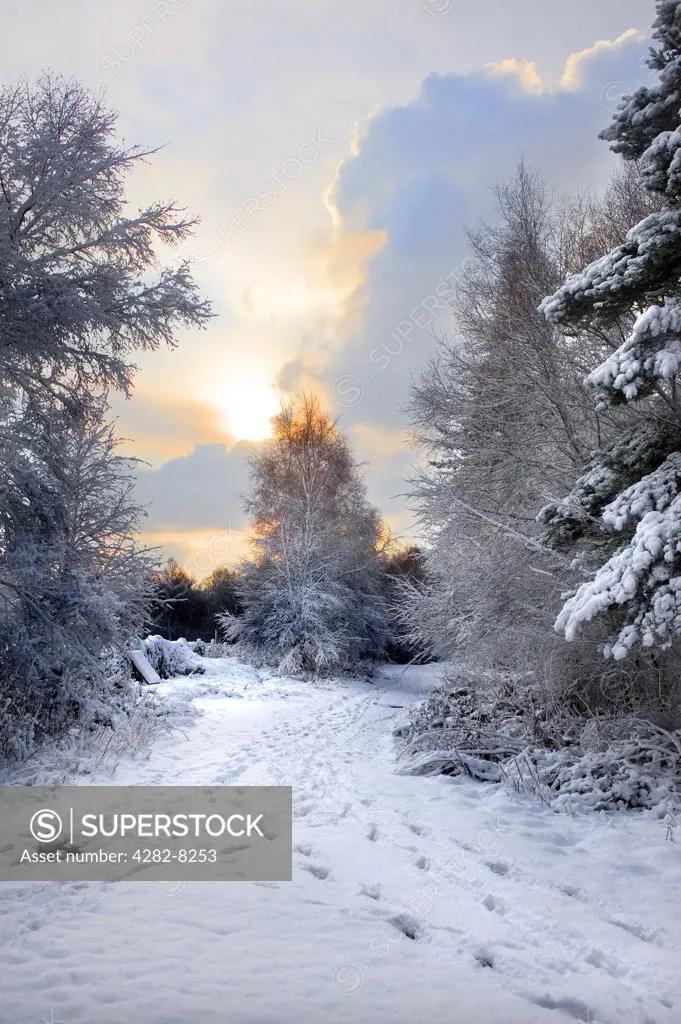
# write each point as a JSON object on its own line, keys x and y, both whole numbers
{"x": 633, "y": 488}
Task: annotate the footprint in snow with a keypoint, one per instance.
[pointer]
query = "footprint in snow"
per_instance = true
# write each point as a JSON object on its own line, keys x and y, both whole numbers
{"x": 572, "y": 1007}
{"x": 408, "y": 925}
{"x": 598, "y": 958}
{"x": 636, "y": 930}
{"x": 318, "y": 870}
{"x": 485, "y": 958}
{"x": 418, "y": 830}
{"x": 497, "y": 866}
{"x": 560, "y": 839}
{"x": 492, "y": 903}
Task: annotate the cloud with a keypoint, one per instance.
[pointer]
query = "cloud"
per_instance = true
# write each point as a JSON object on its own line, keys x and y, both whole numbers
{"x": 315, "y": 287}
{"x": 424, "y": 171}
{"x": 577, "y": 63}
{"x": 419, "y": 174}
{"x": 524, "y": 70}
{"x": 198, "y": 492}
{"x": 159, "y": 428}
{"x": 575, "y": 69}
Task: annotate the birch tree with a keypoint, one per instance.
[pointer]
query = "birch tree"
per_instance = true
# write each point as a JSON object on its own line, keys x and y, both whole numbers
{"x": 312, "y": 592}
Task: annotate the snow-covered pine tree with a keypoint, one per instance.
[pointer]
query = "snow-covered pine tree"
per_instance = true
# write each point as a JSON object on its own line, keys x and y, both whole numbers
{"x": 628, "y": 503}
{"x": 313, "y": 590}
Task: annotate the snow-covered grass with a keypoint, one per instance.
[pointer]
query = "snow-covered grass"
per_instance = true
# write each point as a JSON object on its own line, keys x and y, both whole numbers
{"x": 641, "y": 772}
{"x": 436, "y": 899}
{"x": 151, "y": 715}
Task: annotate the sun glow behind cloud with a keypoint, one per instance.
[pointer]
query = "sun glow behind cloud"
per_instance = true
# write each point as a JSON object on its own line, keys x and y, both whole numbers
{"x": 324, "y": 275}
{"x": 245, "y": 404}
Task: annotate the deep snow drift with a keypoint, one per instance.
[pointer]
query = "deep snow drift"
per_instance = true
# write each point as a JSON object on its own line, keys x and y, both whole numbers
{"x": 413, "y": 899}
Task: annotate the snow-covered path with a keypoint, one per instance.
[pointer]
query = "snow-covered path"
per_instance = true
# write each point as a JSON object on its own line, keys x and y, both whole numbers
{"x": 413, "y": 899}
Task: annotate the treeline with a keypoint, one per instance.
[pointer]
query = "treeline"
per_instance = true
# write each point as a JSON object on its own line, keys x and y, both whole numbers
{"x": 184, "y": 607}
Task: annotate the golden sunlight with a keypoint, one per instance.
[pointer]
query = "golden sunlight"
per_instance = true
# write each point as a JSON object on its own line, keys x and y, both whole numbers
{"x": 245, "y": 406}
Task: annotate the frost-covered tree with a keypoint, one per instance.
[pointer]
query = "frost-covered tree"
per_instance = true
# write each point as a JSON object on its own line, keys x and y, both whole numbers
{"x": 628, "y": 502}
{"x": 506, "y": 420}
{"x": 509, "y": 425}
{"x": 405, "y": 573}
{"x": 312, "y": 592}
{"x": 80, "y": 288}
{"x": 73, "y": 579}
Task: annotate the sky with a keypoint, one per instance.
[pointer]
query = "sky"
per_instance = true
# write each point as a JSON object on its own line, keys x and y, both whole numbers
{"x": 334, "y": 154}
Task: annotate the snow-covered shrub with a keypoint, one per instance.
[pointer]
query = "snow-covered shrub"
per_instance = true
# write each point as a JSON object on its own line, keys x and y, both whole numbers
{"x": 172, "y": 657}
{"x": 498, "y": 728}
{"x": 74, "y": 578}
{"x": 641, "y": 771}
{"x": 93, "y": 749}
{"x": 217, "y": 649}
{"x": 468, "y": 725}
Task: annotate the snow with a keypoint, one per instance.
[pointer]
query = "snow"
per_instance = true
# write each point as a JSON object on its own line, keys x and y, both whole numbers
{"x": 171, "y": 657}
{"x": 640, "y": 575}
{"x": 604, "y": 283}
{"x": 435, "y": 899}
{"x": 654, "y": 492}
{"x": 661, "y": 163}
{"x": 652, "y": 350}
